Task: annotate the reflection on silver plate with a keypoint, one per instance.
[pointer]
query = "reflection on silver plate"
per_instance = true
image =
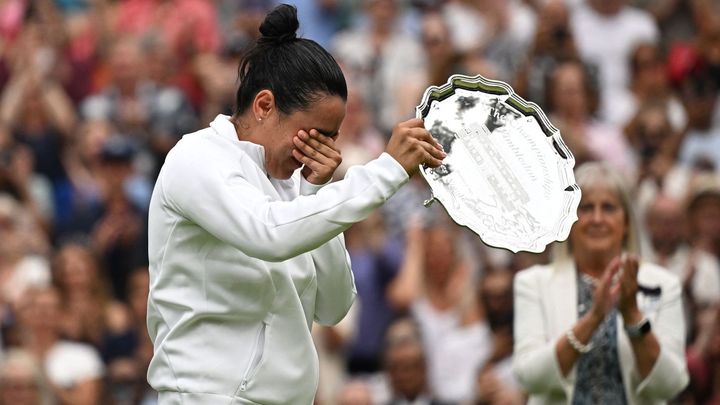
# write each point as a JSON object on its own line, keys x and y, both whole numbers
{"x": 508, "y": 175}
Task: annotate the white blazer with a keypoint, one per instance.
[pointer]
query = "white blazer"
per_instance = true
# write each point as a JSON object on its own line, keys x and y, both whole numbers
{"x": 546, "y": 307}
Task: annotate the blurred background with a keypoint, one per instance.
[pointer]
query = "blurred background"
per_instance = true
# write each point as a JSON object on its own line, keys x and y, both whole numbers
{"x": 94, "y": 93}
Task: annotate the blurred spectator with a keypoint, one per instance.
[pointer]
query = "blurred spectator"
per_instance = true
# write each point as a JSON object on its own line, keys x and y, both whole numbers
{"x": 573, "y": 102}
{"x": 674, "y": 18}
{"x": 698, "y": 270}
{"x": 128, "y": 348}
{"x": 79, "y": 198}
{"x": 442, "y": 58}
{"x": 606, "y": 32}
{"x": 22, "y": 249}
{"x": 93, "y": 93}
{"x": 187, "y": 27}
{"x": 118, "y": 233}
{"x": 553, "y": 43}
{"x": 151, "y": 115}
{"x": 649, "y": 84}
{"x": 435, "y": 283}
{"x": 330, "y": 342}
{"x": 655, "y": 146}
{"x": 84, "y": 294}
{"x": 703, "y": 210}
{"x": 375, "y": 260}
{"x": 698, "y": 89}
{"x": 405, "y": 365}
{"x": 360, "y": 141}
{"x": 703, "y": 357}
{"x": 466, "y": 24}
{"x": 495, "y": 382}
{"x": 31, "y": 189}
{"x": 383, "y": 61}
{"x": 22, "y": 381}
{"x": 511, "y": 25}
{"x": 74, "y": 369}
{"x": 355, "y": 392}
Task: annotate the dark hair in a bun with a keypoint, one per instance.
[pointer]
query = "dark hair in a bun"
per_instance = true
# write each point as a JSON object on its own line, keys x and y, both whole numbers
{"x": 298, "y": 71}
{"x": 280, "y": 25}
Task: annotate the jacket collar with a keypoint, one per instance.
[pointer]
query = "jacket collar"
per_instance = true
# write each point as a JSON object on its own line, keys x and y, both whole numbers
{"x": 223, "y": 127}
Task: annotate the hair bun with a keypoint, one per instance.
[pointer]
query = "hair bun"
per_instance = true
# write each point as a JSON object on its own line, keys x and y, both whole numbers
{"x": 280, "y": 25}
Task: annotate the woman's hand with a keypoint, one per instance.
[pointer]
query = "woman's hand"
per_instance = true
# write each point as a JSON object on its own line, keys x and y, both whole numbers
{"x": 607, "y": 291}
{"x": 412, "y": 145}
{"x": 318, "y": 153}
{"x": 627, "y": 305}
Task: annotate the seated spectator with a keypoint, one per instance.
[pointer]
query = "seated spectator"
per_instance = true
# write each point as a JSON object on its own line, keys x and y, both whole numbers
{"x": 572, "y": 105}
{"x": 698, "y": 270}
{"x": 22, "y": 381}
{"x": 703, "y": 213}
{"x": 356, "y": 392}
{"x": 698, "y": 89}
{"x": 552, "y": 44}
{"x": 703, "y": 358}
{"x": 649, "y": 83}
{"x": 495, "y": 382}
{"x": 382, "y": 60}
{"x": 405, "y": 365}
{"x": 74, "y": 370}
{"x": 606, "y": 33}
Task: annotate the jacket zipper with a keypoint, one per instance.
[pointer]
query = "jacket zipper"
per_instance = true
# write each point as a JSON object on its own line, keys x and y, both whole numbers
{"x": 255, "y": 357}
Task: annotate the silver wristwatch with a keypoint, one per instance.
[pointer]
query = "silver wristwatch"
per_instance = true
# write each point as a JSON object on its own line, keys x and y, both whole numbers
{"x": 639, "y": 329}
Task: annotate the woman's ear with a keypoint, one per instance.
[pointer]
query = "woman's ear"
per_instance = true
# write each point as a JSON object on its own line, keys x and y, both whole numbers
{"x": 263, "y": 105}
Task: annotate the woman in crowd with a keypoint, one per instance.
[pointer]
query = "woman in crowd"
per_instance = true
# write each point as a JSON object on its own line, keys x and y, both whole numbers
{"x": 596, "y": 326}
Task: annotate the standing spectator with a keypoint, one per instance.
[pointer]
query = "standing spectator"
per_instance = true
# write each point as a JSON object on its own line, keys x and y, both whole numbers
{"x": 649, "y": 84}
{"x": 375, "y": 260}
{"x": 383, "y": 61}
{"x": 552, "y": 44}
{"x": 586, "y": 332}
{"x": 606, "y": 32}
{"x": 148, "y": 114}
{"x": 435, "y": 283}
{"x": 573, "y": 101}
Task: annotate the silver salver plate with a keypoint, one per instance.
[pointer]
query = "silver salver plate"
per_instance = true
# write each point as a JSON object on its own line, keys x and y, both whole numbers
{"x": 508, "y": 175}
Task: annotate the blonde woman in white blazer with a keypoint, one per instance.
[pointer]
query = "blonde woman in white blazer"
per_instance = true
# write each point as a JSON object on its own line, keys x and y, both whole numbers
{"x": 597, "y": 326}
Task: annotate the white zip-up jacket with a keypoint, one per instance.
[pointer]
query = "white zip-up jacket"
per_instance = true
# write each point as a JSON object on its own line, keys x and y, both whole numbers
{"x": 241, "y": 265}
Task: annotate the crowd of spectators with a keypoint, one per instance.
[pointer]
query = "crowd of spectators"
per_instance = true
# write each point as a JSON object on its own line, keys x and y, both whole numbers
{"x": 94, "y": 93}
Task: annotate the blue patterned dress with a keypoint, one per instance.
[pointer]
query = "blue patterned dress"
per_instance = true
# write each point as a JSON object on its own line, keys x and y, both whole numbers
{"x": 598, "y": 375}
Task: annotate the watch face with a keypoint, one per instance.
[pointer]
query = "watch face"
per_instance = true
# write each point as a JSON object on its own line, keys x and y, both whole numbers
{"x": 641, "y": 329}
{"x": 645, "y": 327}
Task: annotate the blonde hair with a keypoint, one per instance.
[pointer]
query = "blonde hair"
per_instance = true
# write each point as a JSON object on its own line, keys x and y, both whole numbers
{"x": 592, "y": 175}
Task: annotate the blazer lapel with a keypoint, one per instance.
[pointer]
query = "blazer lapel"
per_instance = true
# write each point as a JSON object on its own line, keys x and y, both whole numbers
{"x": 562, "y": 290}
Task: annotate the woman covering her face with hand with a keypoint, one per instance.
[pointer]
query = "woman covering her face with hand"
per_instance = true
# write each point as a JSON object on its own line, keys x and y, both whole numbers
{"x": 598, "y": 325}
{"x": 245, "y": 235}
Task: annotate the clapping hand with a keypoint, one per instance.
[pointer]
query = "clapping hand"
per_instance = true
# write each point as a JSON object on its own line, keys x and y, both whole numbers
{"x": 618, "y": 286}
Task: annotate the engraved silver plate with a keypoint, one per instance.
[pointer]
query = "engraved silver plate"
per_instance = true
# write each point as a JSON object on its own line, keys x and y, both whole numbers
{"x": 508, "y": 175}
